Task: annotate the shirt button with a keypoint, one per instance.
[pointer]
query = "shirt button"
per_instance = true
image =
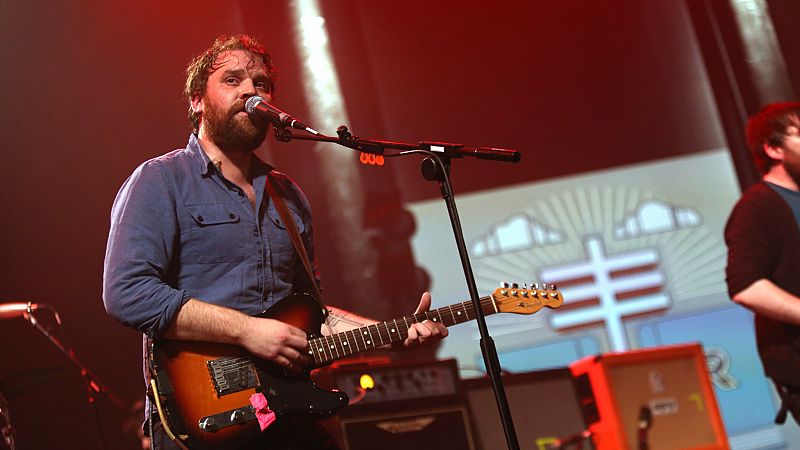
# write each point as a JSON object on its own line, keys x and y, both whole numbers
{"x": 232, "y": 215}
{"x": 241, "y": 194}
{"x": 199, "y": 218}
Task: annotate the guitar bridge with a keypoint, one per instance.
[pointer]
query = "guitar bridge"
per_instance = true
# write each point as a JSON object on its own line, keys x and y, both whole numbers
{"x": 232, "y": 375}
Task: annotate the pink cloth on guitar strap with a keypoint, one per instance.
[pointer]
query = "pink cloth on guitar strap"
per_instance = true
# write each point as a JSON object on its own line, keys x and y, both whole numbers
{"x": 264, "y": 415}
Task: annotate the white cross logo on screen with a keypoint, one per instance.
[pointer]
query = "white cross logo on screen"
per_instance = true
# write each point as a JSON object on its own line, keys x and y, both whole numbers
{"x": 608, "y": 288}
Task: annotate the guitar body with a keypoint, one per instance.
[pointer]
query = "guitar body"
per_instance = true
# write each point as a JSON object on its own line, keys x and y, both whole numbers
{"x": 206, "y": 387}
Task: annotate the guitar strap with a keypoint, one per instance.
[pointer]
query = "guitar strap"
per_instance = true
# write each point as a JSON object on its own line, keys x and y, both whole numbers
{"x": 274, "y": 191}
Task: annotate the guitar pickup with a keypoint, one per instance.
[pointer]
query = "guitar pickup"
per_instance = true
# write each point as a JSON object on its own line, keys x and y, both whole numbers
{"x": 231, "y": 375}
{"x": 227, "y": 418}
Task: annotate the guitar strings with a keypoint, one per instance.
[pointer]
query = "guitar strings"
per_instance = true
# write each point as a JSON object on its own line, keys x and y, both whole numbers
{"x": 330, "y": 345}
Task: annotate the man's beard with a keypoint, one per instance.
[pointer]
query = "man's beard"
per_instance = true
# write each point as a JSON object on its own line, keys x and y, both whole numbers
{"x": 232, "y": 133}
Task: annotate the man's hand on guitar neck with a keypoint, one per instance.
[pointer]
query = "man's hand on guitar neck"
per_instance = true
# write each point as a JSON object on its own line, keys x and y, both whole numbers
{"x": 418, "y": 333}
{"x": 426, "y": 331}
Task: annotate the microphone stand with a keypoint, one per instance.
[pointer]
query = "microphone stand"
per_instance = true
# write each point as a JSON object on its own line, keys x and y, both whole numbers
{"x": 94, "y": 387}
{"x": 643, "y": 426}
{"x": 436, "y": 167}
{"x": 6, "y": 430}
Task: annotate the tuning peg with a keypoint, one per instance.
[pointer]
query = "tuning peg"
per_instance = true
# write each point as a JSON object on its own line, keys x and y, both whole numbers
{"x": 514, "y": 286}
{"x": 553, "y": 287}
{"x": 535, "y": 285}
{"x": 504, "y": 285}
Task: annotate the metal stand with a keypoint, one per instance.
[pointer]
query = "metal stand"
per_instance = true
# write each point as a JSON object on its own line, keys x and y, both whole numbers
{"x": 436, "y": 167}
{"x": 6, "y": 431}
{"x": 94, "y": 388}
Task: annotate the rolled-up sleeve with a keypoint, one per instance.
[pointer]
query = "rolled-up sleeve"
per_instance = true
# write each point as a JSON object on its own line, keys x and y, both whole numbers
{"x": 750, "y": 237}
{"x": 141, "y": 243}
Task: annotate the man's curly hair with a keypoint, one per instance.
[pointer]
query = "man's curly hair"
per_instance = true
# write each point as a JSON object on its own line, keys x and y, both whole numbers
{"x": 768, "y": 126}
{"x": 201, "y": 67}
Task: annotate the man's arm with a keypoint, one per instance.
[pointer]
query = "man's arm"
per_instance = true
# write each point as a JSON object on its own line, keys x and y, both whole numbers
{"x": 766, "y": 298}
{"x": 268, "y": 339}
{"x": 340, "y": 320}
{"x": 141, "y": 241}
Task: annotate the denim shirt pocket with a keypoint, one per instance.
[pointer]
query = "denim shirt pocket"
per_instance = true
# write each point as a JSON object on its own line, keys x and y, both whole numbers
{"x": 215, "y": 234}
{"x": 276, "y": 219}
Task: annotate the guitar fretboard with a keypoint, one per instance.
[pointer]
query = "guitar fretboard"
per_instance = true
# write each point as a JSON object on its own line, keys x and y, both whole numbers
{"x": 329, "y": 348}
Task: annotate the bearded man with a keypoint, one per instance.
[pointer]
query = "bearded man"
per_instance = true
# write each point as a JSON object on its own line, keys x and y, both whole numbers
{"x": 197, "y": 249}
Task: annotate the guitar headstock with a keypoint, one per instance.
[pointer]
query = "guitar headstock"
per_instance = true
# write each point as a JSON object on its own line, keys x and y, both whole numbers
{"x": 513, "y": 299}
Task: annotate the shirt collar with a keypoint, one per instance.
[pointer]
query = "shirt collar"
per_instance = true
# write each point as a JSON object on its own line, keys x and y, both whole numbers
{"x": 206, "y": 166}
{"x": 779, "y": 189}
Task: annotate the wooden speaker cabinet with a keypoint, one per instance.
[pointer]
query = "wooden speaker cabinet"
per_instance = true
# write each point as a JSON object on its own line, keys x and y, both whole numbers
{"x": 544, "y": 405}
{"x": 672, "y": 383}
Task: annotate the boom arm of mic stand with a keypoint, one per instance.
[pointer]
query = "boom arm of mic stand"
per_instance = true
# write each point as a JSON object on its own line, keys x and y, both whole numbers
{"x": 447, "y": 150}
{"x": 346, "y": 139}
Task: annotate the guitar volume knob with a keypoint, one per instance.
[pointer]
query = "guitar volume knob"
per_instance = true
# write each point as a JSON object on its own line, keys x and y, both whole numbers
{"x": 237, "y": 416}
{"x": 207, "y": 423}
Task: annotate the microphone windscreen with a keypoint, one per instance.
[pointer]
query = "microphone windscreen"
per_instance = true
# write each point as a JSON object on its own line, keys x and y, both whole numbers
{"x": 251, "y": 103}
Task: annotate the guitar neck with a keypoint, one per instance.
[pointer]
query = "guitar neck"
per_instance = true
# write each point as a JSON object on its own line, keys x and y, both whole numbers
{"x": 329, "y": 348}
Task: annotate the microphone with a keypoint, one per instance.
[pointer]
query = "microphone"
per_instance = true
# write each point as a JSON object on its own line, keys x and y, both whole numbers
{"x": 11, "y": 310}
{"x": 258, "y": 106}
{"x": 494, "y": 154}
{"x": 458, "y": 151}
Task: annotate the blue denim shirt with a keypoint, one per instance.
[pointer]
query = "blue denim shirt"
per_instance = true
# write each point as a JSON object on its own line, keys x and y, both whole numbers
{"x": 180, "y": 230}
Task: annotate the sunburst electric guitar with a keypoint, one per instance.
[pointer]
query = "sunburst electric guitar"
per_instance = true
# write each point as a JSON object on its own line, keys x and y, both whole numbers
{"x": 205, "y": 388}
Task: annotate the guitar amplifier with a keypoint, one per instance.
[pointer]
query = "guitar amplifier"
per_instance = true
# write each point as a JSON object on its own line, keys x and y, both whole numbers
{"x": 411, "y": 404}
{"x": 662, "y": 393}
{"x": 544, "y": 406}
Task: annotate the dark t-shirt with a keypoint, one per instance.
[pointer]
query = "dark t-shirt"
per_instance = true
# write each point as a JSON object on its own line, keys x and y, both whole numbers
{"x": 792, "y": 198}
{"x": 763, "y": 239}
